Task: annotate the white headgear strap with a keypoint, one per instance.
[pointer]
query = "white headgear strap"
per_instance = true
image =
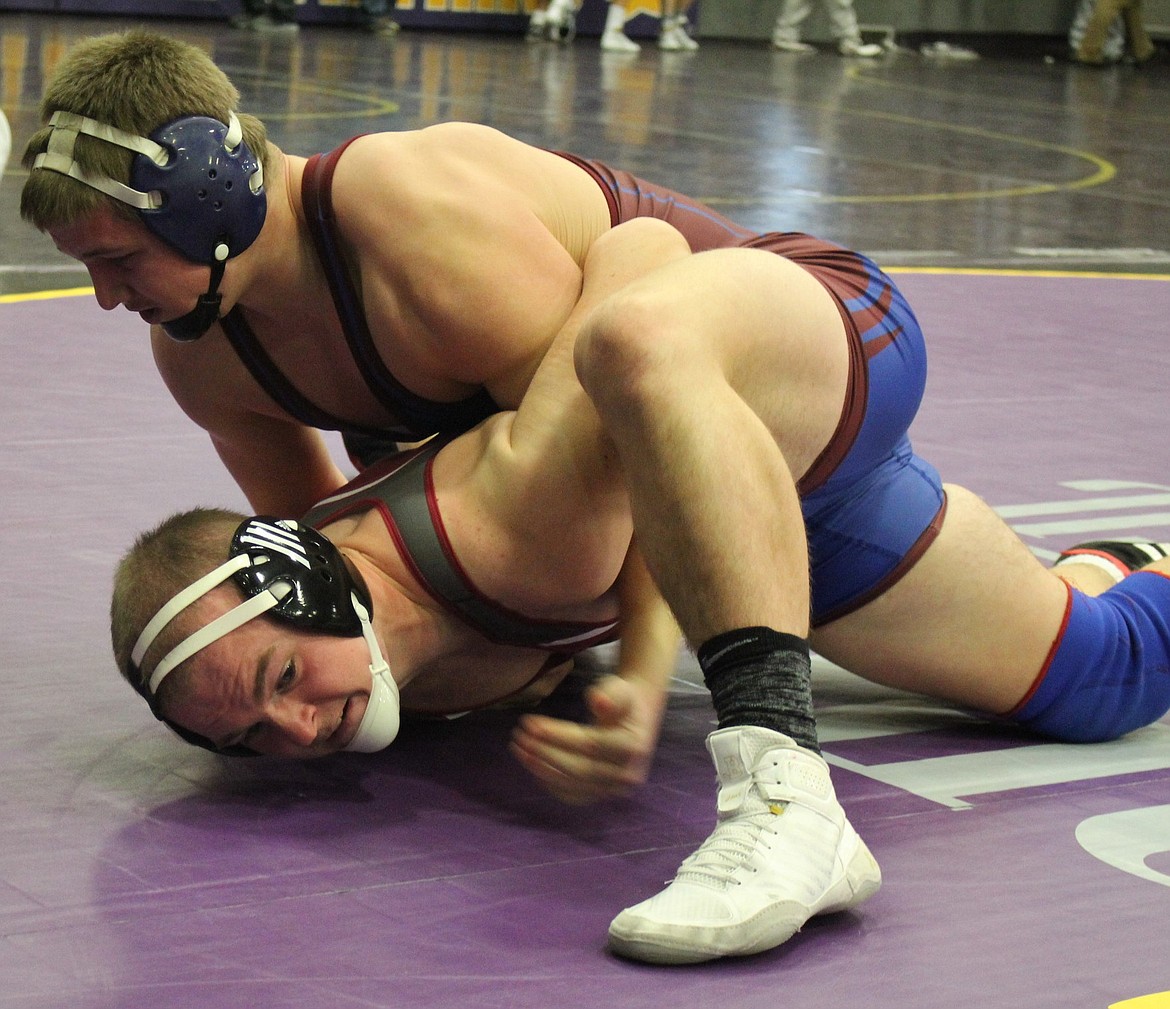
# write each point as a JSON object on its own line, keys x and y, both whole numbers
{"x": 221, "y": 625}
{"x": 58, "y": 156}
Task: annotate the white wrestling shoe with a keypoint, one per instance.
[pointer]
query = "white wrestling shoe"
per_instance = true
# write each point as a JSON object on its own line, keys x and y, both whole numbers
{"x": 782, "y": 851}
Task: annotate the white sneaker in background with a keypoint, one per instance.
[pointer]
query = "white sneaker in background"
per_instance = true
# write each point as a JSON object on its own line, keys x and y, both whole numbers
{"x": 855, "y": 47}
{"x": 560, "y": 21}
{"x": 674, "y": 37}
{"x": 619, "y": 42}
{"x": 791, "y": 45}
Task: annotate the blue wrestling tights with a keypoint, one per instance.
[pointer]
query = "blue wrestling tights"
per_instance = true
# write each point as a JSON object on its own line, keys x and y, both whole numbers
{"x": 1109, "y": 669}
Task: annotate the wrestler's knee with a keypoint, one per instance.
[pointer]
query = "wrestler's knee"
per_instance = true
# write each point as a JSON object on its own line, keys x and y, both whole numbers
{"x": 623, "y": 352}
{"x": 1109, "y": 672}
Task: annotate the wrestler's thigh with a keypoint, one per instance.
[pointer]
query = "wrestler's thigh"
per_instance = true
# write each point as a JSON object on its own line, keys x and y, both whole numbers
{"x": 971, "y": 622}
{"x": 757, "y": 322}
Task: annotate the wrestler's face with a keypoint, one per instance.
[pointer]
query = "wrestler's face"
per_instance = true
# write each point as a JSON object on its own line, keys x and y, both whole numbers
{"x": 129, "y": 266}
{"x": 272, "y": 688}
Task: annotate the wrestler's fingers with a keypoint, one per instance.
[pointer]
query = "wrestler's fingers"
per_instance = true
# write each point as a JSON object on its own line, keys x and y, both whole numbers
{"x": 572, "y": 788}
{"x": 610, "y": 766}
{"x": 572, "y": 761}
{"x": 569, "y": 792}
{"x": 616, "y": 745}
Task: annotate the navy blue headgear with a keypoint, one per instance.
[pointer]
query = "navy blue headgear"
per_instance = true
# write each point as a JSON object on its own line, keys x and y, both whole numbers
{"x": 195, "y": 184}
{"x": 207, "y": 199}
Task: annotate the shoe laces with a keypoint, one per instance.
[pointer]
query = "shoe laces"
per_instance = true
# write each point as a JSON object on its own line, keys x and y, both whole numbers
{"x": 730, "y": 845}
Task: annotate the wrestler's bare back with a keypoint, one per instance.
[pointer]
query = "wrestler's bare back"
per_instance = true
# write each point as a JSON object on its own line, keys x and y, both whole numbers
{"x": 466, "y": 247}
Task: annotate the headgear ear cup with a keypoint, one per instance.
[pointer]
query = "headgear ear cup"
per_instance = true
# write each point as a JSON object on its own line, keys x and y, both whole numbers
{"x": 213, "y": 204}
{"x": 320, "y": 584}
{"x": 206, "y": 187}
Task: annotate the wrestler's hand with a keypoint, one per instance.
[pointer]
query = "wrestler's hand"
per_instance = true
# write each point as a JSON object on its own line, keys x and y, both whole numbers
{"x": 610, "y": 757}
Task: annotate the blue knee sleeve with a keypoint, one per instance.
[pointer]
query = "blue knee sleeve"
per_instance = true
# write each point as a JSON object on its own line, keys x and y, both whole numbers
{"x": 1109, "y": 670}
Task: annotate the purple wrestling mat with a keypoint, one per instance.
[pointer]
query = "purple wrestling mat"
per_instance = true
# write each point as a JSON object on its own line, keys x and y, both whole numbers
{"x": 135, "y": 871}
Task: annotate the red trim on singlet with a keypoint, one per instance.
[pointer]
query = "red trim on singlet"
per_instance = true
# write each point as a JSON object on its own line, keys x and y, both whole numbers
{"x": 1056, "y": 642}
{"x": 880, "y": 343}
{"x": 554, "y": 660}
{"x": 1120, "y": 565}
{"x": 355, "y": 497}
{"x": 349, "y": 499}
{"x": 445, "y": 540}
{"x": 364, "y": 504}
{"x": 875, "y": 345}
{"x": 826, "y": 263}
{"x": 589, "y": 638}
{"x": 416, "y": 414}
{"x": 852, "y": 409}
{"x": 1051, "y": 655}
{"x": 795, "y": 247}
{"x": 615, "y": 216}
{"x": 899, "y": 571}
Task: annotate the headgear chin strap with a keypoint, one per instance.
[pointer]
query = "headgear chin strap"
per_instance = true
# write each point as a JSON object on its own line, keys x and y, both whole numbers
{"x": 195, "y": 184}
{"x": 300, "y": 577}
{"x": 203, "y": 316}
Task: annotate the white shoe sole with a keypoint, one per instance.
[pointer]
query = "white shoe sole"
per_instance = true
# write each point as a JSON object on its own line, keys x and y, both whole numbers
{"x": 619, "y": 44}
{"x": 637, "y": 938}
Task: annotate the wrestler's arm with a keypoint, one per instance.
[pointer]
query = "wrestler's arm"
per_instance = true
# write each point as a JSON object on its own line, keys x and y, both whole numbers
{"x": 282, "y": 467}
{"x": 612, "y": 755}
{"x": 558, "y": 471}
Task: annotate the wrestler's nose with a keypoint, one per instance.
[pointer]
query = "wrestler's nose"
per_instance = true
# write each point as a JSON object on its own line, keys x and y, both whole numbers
{"x": 109, "y": 293}
{"x": 295, "y": 720}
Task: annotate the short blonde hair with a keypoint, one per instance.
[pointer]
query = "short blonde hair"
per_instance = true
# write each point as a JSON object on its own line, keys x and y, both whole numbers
{"x": 160, "y": 564}
{"x": 136, "y": 81}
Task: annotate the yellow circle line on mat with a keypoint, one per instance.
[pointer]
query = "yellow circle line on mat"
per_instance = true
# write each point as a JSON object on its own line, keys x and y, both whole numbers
{"x": 976, "y": 271}
{"x": 68, "y": 292}
{"x": 377, "y": 106}
{"x": 1159, "y": 1000}
{"x": 1103, "y": 171}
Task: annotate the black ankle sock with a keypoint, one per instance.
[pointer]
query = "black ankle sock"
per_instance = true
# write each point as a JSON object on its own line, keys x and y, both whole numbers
{"x": 758, "y": 676}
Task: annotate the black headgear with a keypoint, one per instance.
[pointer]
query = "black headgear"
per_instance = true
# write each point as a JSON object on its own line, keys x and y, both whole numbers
{"x": 285, "y": 569}
{"x": 320, "y": 583}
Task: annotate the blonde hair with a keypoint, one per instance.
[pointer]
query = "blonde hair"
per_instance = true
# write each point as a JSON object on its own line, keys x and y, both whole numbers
{"x": 136, "y": 81}
{"x": 160, "y": 564}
